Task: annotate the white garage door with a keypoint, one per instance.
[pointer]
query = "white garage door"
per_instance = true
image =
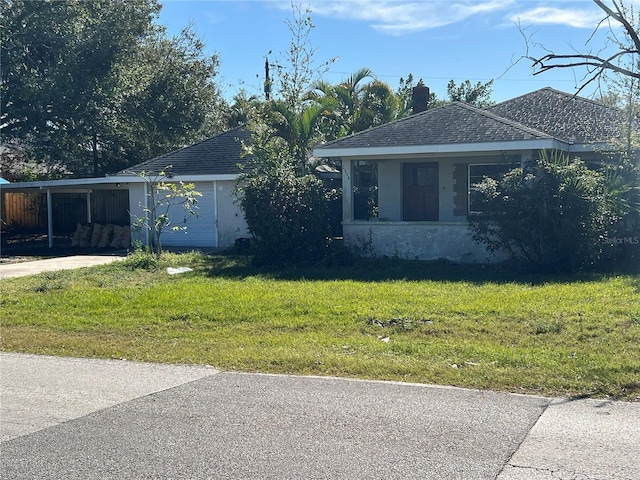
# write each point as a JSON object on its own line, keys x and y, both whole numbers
{"x": 201, "y": 230}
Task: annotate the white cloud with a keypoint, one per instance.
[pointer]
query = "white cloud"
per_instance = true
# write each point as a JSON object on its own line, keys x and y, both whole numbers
{"x": 399, "y": 17}
{"x": 578, "y": 18}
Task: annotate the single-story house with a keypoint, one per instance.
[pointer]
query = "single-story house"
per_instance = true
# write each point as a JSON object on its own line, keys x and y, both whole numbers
{"x": 213, "y": 165}
{"x": 407, "y": 185}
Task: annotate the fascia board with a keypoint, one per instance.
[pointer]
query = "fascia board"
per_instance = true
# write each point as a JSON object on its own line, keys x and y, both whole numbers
{"x": 80, "y": 185}
{"x": 202, "y": 178}
{"x": 547, "y": 143}
{"x": 72, "y": 182}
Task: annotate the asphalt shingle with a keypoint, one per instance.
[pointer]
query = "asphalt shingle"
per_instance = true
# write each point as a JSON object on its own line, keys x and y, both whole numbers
{"x": 217, "y": 155}
{"x": 455, "y": 123}
{"x": 566, "y": 117}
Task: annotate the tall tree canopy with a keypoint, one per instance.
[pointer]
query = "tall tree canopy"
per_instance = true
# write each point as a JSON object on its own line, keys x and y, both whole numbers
{"x": 97, "y": 86}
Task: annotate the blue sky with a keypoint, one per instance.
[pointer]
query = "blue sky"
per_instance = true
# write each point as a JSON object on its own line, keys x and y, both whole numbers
{"x": 436, "y": 40}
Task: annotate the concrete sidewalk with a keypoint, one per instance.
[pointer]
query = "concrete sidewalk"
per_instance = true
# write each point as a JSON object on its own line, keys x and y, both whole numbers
{"x": 21, "y": 269}
{"x": 102, "y": 419}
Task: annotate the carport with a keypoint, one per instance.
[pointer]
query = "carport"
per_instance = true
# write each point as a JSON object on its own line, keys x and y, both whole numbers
{"x": 91, "y": 188}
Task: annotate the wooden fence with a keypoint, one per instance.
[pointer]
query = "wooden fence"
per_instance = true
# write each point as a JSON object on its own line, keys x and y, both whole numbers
{"x": 28, "y": 211}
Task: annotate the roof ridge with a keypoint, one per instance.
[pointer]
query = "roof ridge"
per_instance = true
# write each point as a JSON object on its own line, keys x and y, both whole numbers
{"x": 566, "y": 95}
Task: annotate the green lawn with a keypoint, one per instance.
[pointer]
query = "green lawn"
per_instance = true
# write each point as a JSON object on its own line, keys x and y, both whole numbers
{"x": 470, "y": 326}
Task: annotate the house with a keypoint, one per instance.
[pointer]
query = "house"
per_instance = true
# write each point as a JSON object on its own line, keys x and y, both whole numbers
{"x": 408, "y": 185}
{"x": 213, "y": 165}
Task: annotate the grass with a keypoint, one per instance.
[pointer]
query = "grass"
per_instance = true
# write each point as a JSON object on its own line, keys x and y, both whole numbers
{"x": 470, "y": 326}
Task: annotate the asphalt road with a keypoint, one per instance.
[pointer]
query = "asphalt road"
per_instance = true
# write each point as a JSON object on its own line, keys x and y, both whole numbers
{"x": 63, "y": 418}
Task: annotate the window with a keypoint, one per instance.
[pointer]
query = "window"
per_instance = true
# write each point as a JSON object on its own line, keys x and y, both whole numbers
{"x": 477, "y": 173}
{"x": 365, "y": 189}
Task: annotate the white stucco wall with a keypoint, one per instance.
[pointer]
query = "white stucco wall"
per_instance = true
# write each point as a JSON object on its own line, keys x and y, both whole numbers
{"x": 137, "y": 198}
{"x": 416, "y": 241}
{"x": 231, "y": 222}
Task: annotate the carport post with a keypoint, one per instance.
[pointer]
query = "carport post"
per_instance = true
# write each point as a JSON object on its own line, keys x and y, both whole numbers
{"x": 88, "y": 207}
{"x": 49, "y": 218}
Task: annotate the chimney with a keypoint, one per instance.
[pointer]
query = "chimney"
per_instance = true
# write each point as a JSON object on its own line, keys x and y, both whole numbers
{"x": 419, "y": 98}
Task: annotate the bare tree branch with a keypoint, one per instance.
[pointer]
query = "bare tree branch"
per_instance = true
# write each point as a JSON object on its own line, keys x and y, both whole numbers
{"x": 625, "y": 61}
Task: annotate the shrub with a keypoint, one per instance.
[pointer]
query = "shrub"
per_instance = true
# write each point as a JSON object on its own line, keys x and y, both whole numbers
{"x": 557, "y": 216}
{"x": 287, "y": 214}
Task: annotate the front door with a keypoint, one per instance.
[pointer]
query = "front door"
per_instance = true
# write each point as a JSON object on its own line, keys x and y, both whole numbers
{"x": 420, "y": 192}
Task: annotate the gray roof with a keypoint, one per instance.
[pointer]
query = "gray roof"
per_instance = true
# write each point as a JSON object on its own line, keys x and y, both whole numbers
{"x": 219, "y": 155}
{"x": 450, "y": 124}
{"x": 543, "y": 114}
{"x": 566, "y": 117}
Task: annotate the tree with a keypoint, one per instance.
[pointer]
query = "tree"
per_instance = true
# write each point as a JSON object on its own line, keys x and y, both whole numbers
{"x": 623, "y": 58}
{"x": 298, "y": 129}
{"x": 478, "y": 95}
{"x": 357, "y": 103}
{"x": 170, "y": 98}
{"x": 243, "y": 109}
{"x": 97, "y": 86}
{"x": 404, "y": 94}
{"x": 554, "y": 215}
{"x": 163, "y": 197}
{"x": 297, "y": 71}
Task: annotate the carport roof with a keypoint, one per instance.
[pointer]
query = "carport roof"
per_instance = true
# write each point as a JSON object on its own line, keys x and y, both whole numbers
{"x": 69, "y": 185}
{"x": 218, "y": 155}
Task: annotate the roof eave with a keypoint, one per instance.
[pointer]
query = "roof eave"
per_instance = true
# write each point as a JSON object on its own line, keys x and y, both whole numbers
{"x": 69, "y": 182}
{"x": 449, "y": 148}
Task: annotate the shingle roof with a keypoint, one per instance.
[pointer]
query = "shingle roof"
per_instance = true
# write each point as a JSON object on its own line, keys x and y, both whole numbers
{"x": 566, "y": 117}
{"x": 450, "y": 124}
{"x": 217, "y": 155}
{"x": 543, "y": 114}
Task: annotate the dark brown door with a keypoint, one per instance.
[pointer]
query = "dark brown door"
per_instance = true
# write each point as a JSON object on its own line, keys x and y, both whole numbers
{"x": 420, "y": 191}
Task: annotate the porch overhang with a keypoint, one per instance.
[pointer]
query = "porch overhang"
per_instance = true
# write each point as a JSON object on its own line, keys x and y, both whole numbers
{"x": 455, "y": 148}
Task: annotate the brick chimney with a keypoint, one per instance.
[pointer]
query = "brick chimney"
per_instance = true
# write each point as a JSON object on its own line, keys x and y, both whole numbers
{"x": 419, "y": 98}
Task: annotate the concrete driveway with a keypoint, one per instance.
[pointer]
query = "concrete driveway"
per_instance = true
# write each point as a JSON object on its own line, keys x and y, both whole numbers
{"x": 111, "y": 419}
{"x": 21, "y": 269}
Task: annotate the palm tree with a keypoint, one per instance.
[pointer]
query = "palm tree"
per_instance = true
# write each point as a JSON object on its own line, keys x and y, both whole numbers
{"x": 361, "y": 102}
{"x": 298, "y": 130}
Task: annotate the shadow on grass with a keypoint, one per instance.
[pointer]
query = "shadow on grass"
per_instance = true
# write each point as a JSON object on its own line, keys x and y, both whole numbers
{"x": 378, "y": 270}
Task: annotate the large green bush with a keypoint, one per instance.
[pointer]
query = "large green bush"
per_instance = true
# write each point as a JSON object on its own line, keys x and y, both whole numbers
{"x": 555, "y": 215}
{"x": 287, "y": 214}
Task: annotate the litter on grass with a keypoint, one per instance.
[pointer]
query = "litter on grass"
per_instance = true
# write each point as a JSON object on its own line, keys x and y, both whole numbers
{"x": 174, "y": 271}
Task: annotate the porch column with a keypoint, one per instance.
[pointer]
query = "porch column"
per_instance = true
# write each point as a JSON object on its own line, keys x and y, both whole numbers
{"x": 347, "y": 192}
{"x": 49, "y": 218}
